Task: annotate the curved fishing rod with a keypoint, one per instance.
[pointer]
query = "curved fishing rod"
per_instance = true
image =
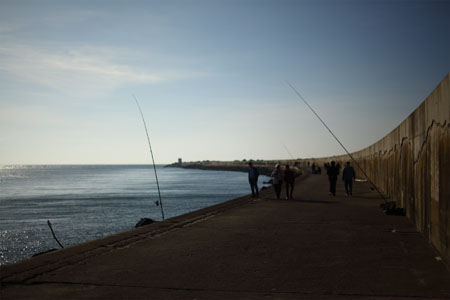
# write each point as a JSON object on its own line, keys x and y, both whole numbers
{"x": 151, "y": 152}
{"x": 343, "y": 147}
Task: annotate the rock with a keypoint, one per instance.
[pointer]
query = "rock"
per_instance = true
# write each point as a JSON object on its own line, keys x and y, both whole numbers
{"x": 390, "y": 208}
{"x": 143, "y": 222}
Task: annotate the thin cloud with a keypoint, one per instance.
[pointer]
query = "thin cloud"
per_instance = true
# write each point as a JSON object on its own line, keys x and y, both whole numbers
{"x": 67, "y": 70}
{"x": 86, "y": 70}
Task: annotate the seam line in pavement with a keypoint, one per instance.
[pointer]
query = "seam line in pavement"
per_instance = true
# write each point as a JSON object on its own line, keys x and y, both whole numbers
{"x": 187, "y": 289}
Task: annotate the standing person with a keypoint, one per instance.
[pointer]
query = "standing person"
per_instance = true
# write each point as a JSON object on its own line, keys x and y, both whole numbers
{"x": 277, "y": 180}
{"x": 348, "y": 175}
{"x": 289, "y": 178}
{"x": 253, "y": 175}
{"x": 333, "y": 173}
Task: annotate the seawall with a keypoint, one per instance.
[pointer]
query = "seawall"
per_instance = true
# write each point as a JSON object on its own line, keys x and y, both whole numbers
{"x": 411, "y": 165}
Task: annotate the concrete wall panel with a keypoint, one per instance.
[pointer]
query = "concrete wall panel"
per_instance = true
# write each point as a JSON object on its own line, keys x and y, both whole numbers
{"x": 411, "y": 166}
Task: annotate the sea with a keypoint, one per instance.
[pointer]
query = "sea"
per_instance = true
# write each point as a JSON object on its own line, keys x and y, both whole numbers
{"x": 86, "y": 202}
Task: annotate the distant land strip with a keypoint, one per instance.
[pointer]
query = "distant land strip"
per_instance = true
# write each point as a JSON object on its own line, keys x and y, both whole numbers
{"x": 265, "y": 167}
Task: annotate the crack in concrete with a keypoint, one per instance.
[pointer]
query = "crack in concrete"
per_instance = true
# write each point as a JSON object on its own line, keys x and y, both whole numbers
{"x": 408, "y": 139}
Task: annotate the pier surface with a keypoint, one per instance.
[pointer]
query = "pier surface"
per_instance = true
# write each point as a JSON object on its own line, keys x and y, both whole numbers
{"x": 313, "y": 247}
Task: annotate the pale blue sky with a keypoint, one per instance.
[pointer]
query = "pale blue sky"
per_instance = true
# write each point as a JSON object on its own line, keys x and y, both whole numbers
{"x": 211, "y": 77}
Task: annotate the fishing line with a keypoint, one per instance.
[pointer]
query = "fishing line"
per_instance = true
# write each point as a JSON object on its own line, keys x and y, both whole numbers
{"x": 151, "y": 152}
{"x": 287, "y": 150}
{"x": 343, "y": 147}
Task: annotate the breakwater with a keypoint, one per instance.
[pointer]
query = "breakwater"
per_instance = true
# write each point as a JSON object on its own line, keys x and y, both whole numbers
{"x": 265, "y": 167}
{"x": 411, "y": 166}
{"x": 246, "y": 248}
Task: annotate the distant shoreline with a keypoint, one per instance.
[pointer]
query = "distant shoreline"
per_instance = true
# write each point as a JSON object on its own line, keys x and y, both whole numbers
{"x": 264, "y": 167}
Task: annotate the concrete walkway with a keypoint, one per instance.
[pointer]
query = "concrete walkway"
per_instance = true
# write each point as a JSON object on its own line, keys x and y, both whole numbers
{"x": 314, "y": 247}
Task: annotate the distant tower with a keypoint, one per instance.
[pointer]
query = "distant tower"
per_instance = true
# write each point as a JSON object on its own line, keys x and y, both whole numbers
{"x": 180, "y": 161}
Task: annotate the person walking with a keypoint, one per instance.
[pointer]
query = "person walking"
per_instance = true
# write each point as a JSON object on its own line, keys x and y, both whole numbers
{"x": 253, "y": 175}
{"x": 277, "y": 180}
{"x": 333, "y": 173}
{"x": 348, "y": 175}
{"x": 289, "y": 178}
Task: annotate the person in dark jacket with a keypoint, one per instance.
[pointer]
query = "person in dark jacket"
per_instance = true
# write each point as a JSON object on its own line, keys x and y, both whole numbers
{"x": 333, "y": 173}
{"x": 348, "y": 175}
{"x": 253, "y": 175}
{"x": 289, "y": 178}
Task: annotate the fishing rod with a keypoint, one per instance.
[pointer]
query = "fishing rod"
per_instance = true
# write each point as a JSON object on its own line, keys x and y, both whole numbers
{"x": 53, "y": 233}
{"x": 287, "y": 150}
{"x": 343, "y": 147}
{"x": 153, "y": 159}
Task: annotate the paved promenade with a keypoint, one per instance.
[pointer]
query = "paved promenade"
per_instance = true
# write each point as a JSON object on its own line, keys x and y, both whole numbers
{"x": 313, "y": 247}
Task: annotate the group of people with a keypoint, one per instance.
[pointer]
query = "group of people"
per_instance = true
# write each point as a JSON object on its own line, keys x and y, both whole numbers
{"x": 278, "y": 177}
{"x": 288, "y": 177}
{"x": 348, "y": 176}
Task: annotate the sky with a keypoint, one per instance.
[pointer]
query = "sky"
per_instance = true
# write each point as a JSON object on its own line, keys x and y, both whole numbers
{"x": 211, "y": 77}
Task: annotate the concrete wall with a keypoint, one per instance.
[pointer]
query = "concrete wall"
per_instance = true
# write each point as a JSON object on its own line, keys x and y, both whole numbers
{"x": 411, "y": 165}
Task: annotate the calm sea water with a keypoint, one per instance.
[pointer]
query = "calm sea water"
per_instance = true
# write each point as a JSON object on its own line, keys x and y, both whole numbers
{"x": 85, "y": 202}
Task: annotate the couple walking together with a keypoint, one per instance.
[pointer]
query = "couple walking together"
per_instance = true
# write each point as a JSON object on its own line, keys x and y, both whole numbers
{"x": 348, "y": 176}
{"x": 278, "y": 176}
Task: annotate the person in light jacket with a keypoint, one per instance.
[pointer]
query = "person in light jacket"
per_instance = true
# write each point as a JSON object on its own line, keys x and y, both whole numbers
{"x": 277, "y": 180}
